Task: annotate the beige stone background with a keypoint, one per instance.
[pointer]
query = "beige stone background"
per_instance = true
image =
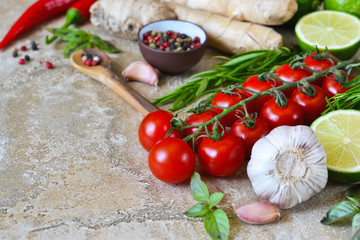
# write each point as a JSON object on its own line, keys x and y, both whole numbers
{"x": 71, "y": 166}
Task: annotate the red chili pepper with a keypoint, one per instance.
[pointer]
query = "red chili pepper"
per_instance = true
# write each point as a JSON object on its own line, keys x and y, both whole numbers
{"x": 78, "y": 13}
{"x": 35, "y": 14}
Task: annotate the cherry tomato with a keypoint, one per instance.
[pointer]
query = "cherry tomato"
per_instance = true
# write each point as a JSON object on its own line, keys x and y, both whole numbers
{"x": 227, "y": 100}
{"x": 332, "y": 87}
{"x": 311, "y": 106}
{"x": 256, "y": 85}
{"x": 250, "y": 135}
{"x": 318, "y": 65}
{"x": 172, "y": 160}
{"x": 275, "y": 115}
{"x": 196, "y": 119}
{"x": 154, "y": 127}
{"x": 286, "y": 73}
{"x": 221, "y": 158}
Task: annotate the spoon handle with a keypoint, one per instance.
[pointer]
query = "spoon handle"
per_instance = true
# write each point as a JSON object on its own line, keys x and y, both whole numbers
{"x": 120, "y": 87}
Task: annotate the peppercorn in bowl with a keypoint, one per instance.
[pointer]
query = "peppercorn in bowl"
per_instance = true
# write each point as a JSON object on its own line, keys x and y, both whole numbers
{"x": 172, "y": 46}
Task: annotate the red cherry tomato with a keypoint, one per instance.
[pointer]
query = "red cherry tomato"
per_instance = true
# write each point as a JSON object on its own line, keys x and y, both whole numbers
{"x": 228, "y": 100}
{"x": 250, "y": 135}
{"x": 196, "y": 119}
{"x": 154, "y": 127}
{"x": 275, "y": 115}
{"x": 286, "y": 73}
{"x": 318, "y": 65}
{"x": 172, "y": 160}
{"x": 311, "y": 106}
{"x": 332, "y": 87}
{"x": 256, "y": 85}
{"x": 221, "y": 158}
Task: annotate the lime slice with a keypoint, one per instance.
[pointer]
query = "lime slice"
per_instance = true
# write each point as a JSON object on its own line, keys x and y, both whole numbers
{"x": 338, "y": 31}
{"x": 339, "y": 132}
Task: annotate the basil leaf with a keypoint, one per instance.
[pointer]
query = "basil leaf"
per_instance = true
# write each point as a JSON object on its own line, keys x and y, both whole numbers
{"x": 340, "y": 211}
{"x": 354, "y": 200}
{"x": 353, "y": 192}
{"x": 59, "y": 32}
{"x": 217, "y": 225}
{"x": 75, "y": 35}
{"x": 198, "y": 210}
{"x": 356, "y": 227}
{"x": 199, "y": 190}
{"x": 215, "y": 198}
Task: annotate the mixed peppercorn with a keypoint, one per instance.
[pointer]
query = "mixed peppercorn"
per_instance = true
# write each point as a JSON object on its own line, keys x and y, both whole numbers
{"x": 89, "y": 59}
{"x": 170, "y": 41}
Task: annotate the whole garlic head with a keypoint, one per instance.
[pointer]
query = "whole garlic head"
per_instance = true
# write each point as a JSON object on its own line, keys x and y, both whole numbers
{"x": 288, "y": 166}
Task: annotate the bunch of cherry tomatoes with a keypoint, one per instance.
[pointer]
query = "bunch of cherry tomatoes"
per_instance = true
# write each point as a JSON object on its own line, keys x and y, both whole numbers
{"x": 223, "y": 151}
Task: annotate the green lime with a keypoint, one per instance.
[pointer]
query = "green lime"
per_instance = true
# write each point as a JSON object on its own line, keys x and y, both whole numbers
{"x": 339, "y": 32}
{"x": 339, "y": 133}
{"x": 348, "y": 6}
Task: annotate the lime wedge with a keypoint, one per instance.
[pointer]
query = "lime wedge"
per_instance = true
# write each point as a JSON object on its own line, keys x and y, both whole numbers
{"x": 339, "y": 133}
{"x": 338, "y": 31}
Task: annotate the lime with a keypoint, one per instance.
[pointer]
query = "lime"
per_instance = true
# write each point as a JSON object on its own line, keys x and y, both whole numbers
{"x": 339, "y": 133}
{"x": 349, "y": 6}
{"x": 338, "y": 31}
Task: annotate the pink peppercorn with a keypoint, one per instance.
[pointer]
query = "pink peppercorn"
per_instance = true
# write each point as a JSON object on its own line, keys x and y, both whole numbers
{"x": 196, "y": 39}
{"x": 87, "y": 62}
{"x": 169, "y": 33}
{"x": 94, "y": 63}
{"x": 145, "y": 35}
{"x": 166, "y": 44}
{"x": 146, "y": 42}
{"x": 174, "y": 36}
{"x": 157, "y": 38}
{"x": 149, "y": 37}
{"x": 21, "y": 61}
{"x": 48, "y": 64}
{"x": 23, "y": 48}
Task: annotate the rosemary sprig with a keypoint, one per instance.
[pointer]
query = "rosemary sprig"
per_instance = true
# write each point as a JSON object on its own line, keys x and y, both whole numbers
{"x": 234, "y": 70}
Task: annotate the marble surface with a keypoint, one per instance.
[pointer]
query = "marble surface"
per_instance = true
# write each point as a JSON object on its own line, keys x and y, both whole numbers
{"x": 71, "y": 166}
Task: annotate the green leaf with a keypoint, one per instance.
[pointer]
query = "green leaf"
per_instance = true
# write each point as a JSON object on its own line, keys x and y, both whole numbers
{"x": 72, "y": 47}
{"x": 340, "y": 211}
{"x": 199, "y": 190}
{"x": 356, "y": 227}
{"x": 102, "y": 44}
{"x": 198, "y": 210}
{"x": 217, "y": 225}
{"x": 215, "y": 198}
{"x": 202, "y": 87}
{"x": 244, "y": 58}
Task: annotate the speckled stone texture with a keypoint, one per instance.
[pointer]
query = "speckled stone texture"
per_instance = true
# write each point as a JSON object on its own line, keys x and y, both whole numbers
{"x": 71, "y": 166}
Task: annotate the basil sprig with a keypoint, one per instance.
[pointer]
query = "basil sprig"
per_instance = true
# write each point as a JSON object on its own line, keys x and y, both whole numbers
{"x": 216, "y": 221}
{"x": 78, "y": 39}
{"x": 347, "y": 209}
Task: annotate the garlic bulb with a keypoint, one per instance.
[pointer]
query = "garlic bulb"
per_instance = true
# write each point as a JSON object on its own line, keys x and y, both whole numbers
{"x": 288, "y": 166}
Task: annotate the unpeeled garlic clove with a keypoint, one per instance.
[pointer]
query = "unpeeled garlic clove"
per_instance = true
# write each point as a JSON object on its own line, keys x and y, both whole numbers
{"x": 258, "y": 212}
{"x": 142, "y": 72}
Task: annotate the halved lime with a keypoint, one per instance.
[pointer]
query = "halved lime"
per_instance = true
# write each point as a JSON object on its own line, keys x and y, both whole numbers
{"x": 338, "y": 31}
{"x": 339, "y": 133}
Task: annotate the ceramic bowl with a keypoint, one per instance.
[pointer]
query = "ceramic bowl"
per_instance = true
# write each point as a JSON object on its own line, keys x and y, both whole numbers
{"x": 171, "y": 62}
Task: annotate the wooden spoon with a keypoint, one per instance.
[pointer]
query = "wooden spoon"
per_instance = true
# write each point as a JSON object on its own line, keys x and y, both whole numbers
{"x": 105, "y": 75}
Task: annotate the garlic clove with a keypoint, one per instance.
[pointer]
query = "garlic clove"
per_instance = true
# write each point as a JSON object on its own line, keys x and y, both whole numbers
{"x": 288, "y": 166}
{"x": 142, "y": 72}
{"x": 258, "y": 212}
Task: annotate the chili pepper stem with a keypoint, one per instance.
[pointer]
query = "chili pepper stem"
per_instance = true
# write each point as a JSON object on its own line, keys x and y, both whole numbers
{"x": 257, "y": 95}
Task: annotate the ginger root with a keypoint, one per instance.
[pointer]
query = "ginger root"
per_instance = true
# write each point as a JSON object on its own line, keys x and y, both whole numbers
{"x": 265, "y": 12}
{"x": 124, "y": 18}
{"x": 228, "y": 35}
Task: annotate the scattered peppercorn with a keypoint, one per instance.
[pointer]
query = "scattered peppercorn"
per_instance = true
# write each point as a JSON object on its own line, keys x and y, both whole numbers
{"x": 49, "y": 64}
{"x": 34, "y": 46}
{"x": 27, "y": 58}
{"x": 21, "y": 61}
{"x": 23, "y": 48}
{"x": 14, "y": 53}
{"x": 170, "y": 41}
